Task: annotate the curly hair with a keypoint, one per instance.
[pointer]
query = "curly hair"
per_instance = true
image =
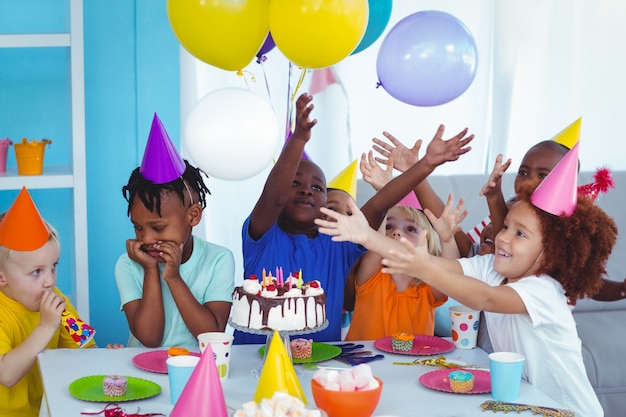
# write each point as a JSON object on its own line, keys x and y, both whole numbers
{"x": 150, "y": 193}
{"x": 576, "y": 247}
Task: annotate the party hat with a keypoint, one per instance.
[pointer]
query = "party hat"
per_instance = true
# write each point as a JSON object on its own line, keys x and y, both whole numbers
{"x": 602, "y": 181}
{"x": 161, "y": 162}
{"x": 22, "y": 228}
{"x": 410, "y": 200}
{"x": 203, "y": 395}
{"x": 557, "y": 193}
{"x": 569, "y": 136}
{"x": 346, "y": 180}
{"x": 278, "y": 373}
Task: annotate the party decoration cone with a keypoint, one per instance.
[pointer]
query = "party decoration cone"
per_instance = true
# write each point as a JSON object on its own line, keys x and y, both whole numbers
{"x": 557, "y": 194}
{"x": 203, "y": 395}
{"x": 161, "y": 161}
{"x": 278, "y": 373}
{"x": 410, "y": 200}
{"x": 602, "y": 182}
{"x": 81, "y": 332}
{"x": 569, "y": 136}
{"x": 346, "y": 180}
{"x": 22, "y": 228}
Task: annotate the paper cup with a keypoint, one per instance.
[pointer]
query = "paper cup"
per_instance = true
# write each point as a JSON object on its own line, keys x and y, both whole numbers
{"x": 506, "y": 375}
{"x": 179, "y": 369}
{"x": 80, "y": 331}
{"x": 464, "y": 326}
{"x": 221, "y": 344}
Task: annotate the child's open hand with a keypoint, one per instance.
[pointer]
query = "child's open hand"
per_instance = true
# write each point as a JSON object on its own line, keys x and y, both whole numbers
{"x": 372, "y": 173}
{"x": 304, "y": 124}
{"x": 440, "y": 151}
{"x": 51, "y": 307}
{"x": 450, "y": 220}
{"x": 395, "y": 153}
{"x": 343, "y": 228}
{"x": 494, "y": 183}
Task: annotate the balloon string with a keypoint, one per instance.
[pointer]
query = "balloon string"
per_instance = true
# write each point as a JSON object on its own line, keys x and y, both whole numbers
{"x": 289, "y": 103}
{"x": 300, "y": 81}
{"x": 242, "y": 73}
{"x": 267, "y": 85}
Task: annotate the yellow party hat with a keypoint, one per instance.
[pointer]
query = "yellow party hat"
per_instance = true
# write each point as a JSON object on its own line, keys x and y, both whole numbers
{"x": 569, "y": 136}
{"x": 278, "y": 373}
{"x": 346, "y": 180}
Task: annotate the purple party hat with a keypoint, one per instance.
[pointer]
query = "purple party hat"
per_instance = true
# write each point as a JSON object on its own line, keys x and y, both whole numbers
{"x": 161, "y": 161}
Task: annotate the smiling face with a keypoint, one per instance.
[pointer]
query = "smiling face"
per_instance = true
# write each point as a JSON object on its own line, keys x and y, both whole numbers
{"x": 538, "y": 162}
{"x": 306, "y": 196}
{"x": 519, "y": 244}
{"x": 25, "y": 276}
{"x": 175, "y": 224}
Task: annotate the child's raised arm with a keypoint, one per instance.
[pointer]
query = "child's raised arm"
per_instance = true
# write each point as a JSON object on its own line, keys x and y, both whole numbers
{"x": 492, "y": 191}
{"x": 280, "y": 178}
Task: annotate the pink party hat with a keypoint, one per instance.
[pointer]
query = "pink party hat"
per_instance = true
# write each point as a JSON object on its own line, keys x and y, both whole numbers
{"x": 410, "y": 200}
{"x": 278, "y": 373}
{"x": 558, "y": 192}
{"x": 161, "y": 162}
{"x": 569, "y": 136}
{"x": 203, "y": 395}
{"x": 346, "y": 180}
{"x": 22, "y": 228}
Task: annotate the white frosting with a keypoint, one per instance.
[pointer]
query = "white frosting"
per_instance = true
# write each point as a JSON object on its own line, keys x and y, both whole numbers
{"x": 251, "y": 286}
{"x": 269, "y": 293}
{"x": 294, "y": 292}
{"x": 314, "y": 291}
{"x": 281, "y": 404}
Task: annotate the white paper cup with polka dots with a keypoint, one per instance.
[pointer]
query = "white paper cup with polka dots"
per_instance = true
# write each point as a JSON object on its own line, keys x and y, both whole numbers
{"x": 464, "y": 326}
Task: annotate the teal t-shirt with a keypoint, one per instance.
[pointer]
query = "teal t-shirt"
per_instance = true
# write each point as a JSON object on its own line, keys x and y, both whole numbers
{"x": 209, "y": 273}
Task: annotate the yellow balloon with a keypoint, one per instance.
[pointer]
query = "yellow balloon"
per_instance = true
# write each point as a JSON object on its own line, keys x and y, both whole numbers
{"x": 317, "y": 33}
{"x": 224, "y": 33}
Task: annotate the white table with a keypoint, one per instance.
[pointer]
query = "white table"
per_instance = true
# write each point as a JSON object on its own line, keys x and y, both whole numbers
{"x": 402, "y": 394}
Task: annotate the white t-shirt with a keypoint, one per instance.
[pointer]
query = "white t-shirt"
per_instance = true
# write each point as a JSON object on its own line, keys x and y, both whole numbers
{"x": 547, "y": 336}
{"x": 209, "y": 273}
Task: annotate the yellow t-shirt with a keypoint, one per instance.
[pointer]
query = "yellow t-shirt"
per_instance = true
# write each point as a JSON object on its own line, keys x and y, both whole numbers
{"x": 16, "y": 324}
{"x": 380, "y": 310}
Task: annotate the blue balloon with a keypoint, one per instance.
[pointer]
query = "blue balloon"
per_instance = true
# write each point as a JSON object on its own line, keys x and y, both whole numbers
{"x": 427, "y": 59}
{"x": 379, "y": 14}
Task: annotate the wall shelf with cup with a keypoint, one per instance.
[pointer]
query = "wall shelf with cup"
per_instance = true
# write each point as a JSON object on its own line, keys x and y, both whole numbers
{"x": 68, "y": 172}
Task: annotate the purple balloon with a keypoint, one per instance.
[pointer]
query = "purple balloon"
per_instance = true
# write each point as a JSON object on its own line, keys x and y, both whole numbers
{"x": 267, "y": 46}
{"x": 427, "y": 59}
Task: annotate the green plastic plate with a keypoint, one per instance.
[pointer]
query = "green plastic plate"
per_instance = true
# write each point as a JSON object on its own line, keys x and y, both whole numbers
{"x": 89, "y": 388}
{"x": 319, "y": 352}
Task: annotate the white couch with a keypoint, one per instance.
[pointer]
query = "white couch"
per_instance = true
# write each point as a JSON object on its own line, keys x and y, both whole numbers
{"x": 601, "y": 325}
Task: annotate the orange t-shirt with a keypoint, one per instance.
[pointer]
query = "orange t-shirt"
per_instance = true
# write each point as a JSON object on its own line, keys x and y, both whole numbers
{"x": 380, "y": 310}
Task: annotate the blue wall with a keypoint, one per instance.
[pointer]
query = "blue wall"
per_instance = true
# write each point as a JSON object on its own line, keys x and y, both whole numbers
{"x": 131, "y": 72}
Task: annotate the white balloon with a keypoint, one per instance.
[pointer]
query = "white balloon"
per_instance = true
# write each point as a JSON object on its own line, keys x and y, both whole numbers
{"x": 232, "y": 133}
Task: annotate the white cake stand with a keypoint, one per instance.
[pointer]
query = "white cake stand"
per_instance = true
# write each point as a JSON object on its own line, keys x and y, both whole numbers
{"x": 284, "y": 334}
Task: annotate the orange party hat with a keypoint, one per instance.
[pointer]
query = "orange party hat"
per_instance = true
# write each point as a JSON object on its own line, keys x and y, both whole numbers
{"x": 569, "y": 136}
{"x": 203, "y": 395}
{"x": 22, "y": 228}
{"x": 278, "y": 373}
{"x": 410, "y": 200}
{"x": 346, "y": 180}
{"x": 558, "y": 192}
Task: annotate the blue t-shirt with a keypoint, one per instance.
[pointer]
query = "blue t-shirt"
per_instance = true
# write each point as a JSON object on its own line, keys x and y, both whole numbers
{"x": 318, "y": 257}
{"x": 209, "y": 273}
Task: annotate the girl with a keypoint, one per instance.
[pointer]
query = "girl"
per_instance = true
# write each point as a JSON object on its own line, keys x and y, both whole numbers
{"x": 541, "y": 261}
{"x": 390, "y": 303}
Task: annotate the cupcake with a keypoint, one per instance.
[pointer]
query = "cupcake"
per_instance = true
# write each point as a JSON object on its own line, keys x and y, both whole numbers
{"x": 402, "y": 341}
{"x": 177, "y": 351}
{"x": 301, "y": 348}
{"x": 461, "y": 381}
{"x": 114, "y": 386}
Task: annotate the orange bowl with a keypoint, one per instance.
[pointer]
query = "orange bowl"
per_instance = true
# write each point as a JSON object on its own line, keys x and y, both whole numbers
{"x": 346, "y": 403}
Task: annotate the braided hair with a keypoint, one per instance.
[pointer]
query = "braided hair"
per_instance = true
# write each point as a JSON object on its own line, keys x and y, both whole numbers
{"x": 150, "y": 193}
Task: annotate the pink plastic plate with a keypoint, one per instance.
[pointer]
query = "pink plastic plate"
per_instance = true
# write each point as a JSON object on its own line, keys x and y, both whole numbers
{"x": 422, "y": 345}
{"x": 438, "y": 380}
{"x": 154, "y": 361}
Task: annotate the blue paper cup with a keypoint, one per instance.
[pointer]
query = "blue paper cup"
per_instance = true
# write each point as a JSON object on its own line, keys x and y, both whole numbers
{"x": 179, "y": 369}
{"x": 506, "y": 375}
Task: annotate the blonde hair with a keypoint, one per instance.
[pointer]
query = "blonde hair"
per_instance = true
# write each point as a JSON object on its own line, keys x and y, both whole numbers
{"x": 432, "y": 238}
{"x": 5, "y": 252}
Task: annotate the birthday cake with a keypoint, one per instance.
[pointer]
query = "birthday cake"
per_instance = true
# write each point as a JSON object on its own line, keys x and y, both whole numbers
{"x": 279, "y": 304}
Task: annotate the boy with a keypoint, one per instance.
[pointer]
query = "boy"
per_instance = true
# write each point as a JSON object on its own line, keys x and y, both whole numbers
{"x": 173, "y": 285}
{"x": 30, "y": 305}
{"x": 281, "y": 229}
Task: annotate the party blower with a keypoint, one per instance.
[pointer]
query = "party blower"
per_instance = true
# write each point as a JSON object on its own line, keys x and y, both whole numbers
{"x": 81, "y": 332}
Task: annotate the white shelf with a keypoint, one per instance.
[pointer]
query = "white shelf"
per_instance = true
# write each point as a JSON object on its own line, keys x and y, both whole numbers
{"x": 52, "y": 177}
{"x": 35, "y": 40}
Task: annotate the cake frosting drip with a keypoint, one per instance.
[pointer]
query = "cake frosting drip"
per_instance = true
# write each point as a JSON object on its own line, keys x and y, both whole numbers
{"x": 276, "y": 307}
